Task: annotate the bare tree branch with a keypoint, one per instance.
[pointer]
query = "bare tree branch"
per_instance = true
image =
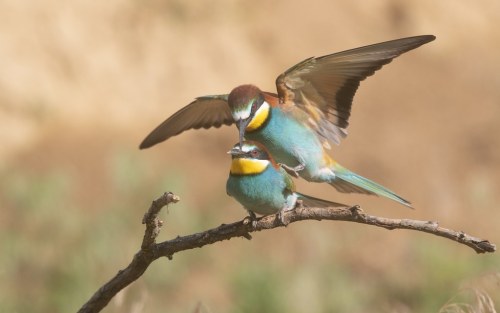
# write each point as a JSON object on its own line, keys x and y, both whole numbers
{"x": 150, "y": 250}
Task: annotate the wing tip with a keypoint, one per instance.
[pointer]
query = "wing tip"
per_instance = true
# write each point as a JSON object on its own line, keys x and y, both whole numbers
{"x": 152, "y": 140}
{"x": 424, "y": 39}
{"x": 145, "y": 145}
{"x": 429, "y": 37}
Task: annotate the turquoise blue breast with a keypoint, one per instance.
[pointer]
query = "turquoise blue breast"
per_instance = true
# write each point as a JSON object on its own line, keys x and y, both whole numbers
{"x": 289, "y": 141}
{"x": 263, "y": 193}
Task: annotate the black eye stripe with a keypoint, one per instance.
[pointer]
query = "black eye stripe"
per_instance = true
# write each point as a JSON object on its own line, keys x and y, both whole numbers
{"x": 255, "y": 153}
{"x": 257, "y": 102}
{"x": 254, "y": 107}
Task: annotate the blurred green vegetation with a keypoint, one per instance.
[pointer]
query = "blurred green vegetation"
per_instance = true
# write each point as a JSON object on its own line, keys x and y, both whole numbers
{"x": 57, "y": 253}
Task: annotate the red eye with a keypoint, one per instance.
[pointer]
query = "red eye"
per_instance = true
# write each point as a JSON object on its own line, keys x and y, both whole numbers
{"x": 254, "y": 153}
{"x": 254, "y": 106}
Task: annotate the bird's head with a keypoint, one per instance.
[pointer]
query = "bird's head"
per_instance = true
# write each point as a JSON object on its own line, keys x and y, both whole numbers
{"x": 249, "y": 108}
{"x": 249, "y": 158}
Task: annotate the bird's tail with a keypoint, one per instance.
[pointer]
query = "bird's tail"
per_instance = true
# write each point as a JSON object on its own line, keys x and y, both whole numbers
{"x": 347, "y": 181}
{"x": 309, "y": 201}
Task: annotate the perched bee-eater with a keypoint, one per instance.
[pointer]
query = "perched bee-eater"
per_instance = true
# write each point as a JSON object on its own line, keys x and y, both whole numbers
{"x": 261, "y": 185}
{"x": 311, "y": 109}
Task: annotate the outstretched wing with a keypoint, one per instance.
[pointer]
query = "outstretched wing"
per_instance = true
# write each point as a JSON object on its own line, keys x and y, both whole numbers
{"x": 204, "y": 112}
{"x": 324, "y": 87}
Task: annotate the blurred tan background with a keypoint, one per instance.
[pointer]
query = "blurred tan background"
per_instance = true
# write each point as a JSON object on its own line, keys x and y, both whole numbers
{"x": 82, "y": 83}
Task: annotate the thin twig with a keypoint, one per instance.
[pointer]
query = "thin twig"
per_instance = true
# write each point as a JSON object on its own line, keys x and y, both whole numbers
{"x": 150, "y": 250}
{"x": 140, "y": 262}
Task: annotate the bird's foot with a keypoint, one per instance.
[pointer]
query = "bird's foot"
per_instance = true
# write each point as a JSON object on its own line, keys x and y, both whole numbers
{"x": 251, "y": 218}
{"x": 292, "y": 170}
{"x": 281, "y": 216}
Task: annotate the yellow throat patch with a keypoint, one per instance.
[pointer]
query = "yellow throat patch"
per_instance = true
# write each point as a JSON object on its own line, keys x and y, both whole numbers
{"x": 248, "y": 166}
{"x": 259, "y": 118}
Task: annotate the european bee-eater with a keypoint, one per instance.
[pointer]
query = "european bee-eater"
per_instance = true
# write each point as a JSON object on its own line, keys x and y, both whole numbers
{"x": 311, "y": 109}
{"x": 261, "y": 185}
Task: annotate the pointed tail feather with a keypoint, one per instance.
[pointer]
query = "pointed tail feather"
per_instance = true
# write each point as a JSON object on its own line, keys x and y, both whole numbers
{"x": 311, "y": 202}
{"x": 347, "y": 181}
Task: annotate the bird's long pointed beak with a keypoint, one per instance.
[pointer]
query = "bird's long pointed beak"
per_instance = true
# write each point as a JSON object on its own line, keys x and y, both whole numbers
{"x": 242, "y": 125}
{"x": 236, "y": 151}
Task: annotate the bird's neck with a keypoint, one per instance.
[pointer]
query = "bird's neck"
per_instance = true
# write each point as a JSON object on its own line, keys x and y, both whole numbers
{"x": 260, "y": 117}
{"x": 240, "y": 166}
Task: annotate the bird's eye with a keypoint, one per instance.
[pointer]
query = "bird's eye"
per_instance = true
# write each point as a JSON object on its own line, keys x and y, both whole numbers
{"x": 254, "y": 153}
{"x": 254, "y": 107}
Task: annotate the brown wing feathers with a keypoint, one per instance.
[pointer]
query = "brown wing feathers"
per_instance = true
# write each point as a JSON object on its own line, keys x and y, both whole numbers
{"x": 328, "y": 83}
{"x": 204, "y": 112}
